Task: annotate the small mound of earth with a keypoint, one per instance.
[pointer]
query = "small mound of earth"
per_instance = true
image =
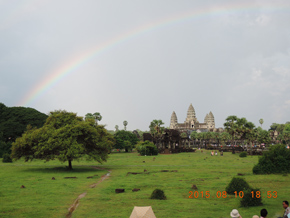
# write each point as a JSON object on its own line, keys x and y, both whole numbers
{"x": 135, "y": 189}
{"x": 119, "y": 190}
{"x": 134, "y": 173}
{"x": 194, "y": 187}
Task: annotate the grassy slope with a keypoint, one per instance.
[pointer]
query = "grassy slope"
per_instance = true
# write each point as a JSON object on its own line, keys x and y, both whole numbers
{"x": 44, "y": 197}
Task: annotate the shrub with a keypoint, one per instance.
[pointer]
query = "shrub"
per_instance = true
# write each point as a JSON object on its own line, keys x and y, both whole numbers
{"x": 252, "y": 197}
{"x": 6, "y": 158}
{"x": 147, "y": 148}
{"x": 243, "y": 154}
{"x": 158, "y": 194}
{"x": 237, "y": 184}
{"x": 273, "y": 161}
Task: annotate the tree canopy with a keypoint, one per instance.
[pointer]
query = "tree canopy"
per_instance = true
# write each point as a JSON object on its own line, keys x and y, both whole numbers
{"x": 147, "y": 148}
{"x": 95, "y": 116}
{"x": 278, "y": 127}
{"x": 261, "y": 121}
{"x": 156, "y": 127}
{"x": 125, "y": 140}
{"x": 240, "y": 129}
{"x": 276, "y": 160}
{"x": 66, "y": 137}
{"x": 14, "y": 120}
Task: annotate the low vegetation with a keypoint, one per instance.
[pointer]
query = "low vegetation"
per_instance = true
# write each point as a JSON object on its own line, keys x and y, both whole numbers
{"x": 158, "y": 194}
{"x": 147, "y": 148}
{"x": 276, "y": 160}
{"x": 252, "y": 197}
{"x": 236, "y": 185}
{"x": 243, "y": 154}
{"x": 6, "y": 158}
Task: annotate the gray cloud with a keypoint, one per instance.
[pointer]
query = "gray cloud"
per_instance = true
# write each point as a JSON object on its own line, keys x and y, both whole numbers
{"x": 233, "y": 59}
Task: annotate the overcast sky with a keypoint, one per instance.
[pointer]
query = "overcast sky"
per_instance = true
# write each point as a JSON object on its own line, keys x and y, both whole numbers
{"x": 139, "y": 60}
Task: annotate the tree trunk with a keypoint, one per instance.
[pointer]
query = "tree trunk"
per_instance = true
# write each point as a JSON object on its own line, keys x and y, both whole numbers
{"x": 69, "y": 165}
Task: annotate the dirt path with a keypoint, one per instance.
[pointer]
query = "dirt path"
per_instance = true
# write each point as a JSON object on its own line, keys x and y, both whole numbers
{"x": 76, "y": 202}
{"x": 102, "y": 179}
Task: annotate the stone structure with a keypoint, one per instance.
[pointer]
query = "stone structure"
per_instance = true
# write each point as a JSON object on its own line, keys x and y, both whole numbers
{"x": 191, "y": 123}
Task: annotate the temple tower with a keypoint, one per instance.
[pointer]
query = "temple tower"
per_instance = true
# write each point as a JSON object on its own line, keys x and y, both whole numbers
{"x": 209, "y": 120}
{"x": 190, "y": 114}
{"x": 206, "y": 118}
{"x": 173, "y": 120}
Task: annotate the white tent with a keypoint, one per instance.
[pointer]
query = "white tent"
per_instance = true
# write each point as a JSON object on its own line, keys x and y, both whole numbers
{"x": 142, "y": 212}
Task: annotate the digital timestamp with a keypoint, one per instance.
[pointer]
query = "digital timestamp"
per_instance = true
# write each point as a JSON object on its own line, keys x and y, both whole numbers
{"x": 224, "y": 194}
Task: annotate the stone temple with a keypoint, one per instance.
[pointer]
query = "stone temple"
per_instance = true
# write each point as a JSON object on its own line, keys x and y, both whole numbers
{"x": 191, "y": 123}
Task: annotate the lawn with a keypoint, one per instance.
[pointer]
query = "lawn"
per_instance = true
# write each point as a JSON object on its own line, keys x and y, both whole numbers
{"x": 44, "y": 197}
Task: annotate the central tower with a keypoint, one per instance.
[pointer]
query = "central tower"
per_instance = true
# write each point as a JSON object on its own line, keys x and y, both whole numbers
{"x": 190, "y": 114}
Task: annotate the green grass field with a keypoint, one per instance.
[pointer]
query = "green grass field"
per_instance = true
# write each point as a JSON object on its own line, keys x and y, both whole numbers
{"x": 44, "y": 197}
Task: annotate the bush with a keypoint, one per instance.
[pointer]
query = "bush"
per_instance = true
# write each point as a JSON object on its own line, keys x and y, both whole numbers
{"x": 273, "y": 161}
{"x": 243, "y": 154}
{"x": 6, "y": 158}
{"x": 147, "y": 148}
{"x": 158, "y": 194}
{"x": 251, "y": 199}
{"x": 237, "y": 184}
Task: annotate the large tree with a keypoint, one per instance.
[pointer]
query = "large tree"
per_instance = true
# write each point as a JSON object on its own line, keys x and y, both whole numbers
{"x": 276, "y": 131}
{"x": 277, "y": 127}
{"x": 125, "y": 140}
{"x": 231, "y": 126}
{"x": 156, "y": 127}
{"x": 66, "y": 137}
{"x": 240, "y": 129}
{"x": 263, "y": 136}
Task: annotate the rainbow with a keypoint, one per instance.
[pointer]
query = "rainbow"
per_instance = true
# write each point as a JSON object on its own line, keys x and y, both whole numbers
{"x": 72, "y": 65}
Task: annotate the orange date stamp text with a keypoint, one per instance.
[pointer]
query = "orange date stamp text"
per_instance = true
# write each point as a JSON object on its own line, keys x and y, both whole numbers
{"x": 237, "y": 194}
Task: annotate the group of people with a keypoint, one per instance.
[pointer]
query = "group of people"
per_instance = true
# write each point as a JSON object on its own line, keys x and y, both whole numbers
{"x": 213, "y": 153}
{"x": 263, "y": 213}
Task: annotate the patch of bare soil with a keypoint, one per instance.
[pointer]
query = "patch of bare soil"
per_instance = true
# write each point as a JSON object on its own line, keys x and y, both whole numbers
{"x": 76, "y": 202}
{"x": 75, "y": 205}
